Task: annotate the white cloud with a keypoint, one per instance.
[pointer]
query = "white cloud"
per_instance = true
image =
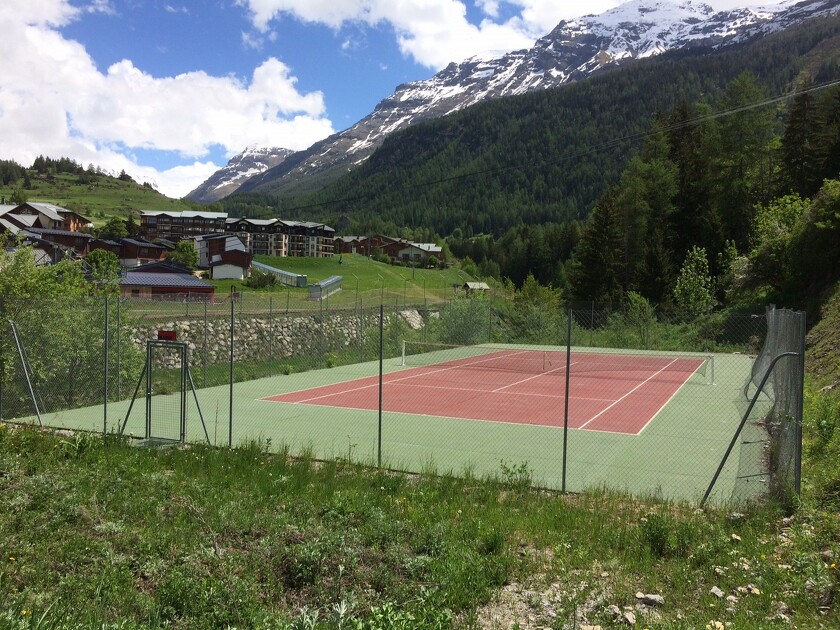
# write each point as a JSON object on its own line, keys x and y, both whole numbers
{"x": 55, "y": 102}
{"x": 436, "y": 32}
{"x": 433, "y": 32}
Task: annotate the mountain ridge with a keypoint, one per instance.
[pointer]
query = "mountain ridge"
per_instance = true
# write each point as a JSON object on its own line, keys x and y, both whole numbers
{"x": 573, "y": 50}
{"x": 251, "y": 161}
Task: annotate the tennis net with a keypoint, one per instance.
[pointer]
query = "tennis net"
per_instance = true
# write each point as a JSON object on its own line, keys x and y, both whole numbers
{"x": 544, "y": 361}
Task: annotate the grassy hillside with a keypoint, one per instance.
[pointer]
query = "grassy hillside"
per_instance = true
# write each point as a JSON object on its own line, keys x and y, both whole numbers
{"x": 104, "y": 198}
{"x": 823, "y": 351}
{"x": 100, "y": 534}
{"x": 365, "y": 279}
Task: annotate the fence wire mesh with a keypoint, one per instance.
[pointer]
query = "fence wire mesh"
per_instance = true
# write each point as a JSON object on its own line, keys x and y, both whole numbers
{"x": 575, "y": 396}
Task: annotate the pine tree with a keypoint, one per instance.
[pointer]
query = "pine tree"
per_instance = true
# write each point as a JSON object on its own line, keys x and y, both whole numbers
{"x": 597, "y": 262}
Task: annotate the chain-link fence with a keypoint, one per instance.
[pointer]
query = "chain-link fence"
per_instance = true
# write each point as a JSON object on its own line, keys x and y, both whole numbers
{"x": 567, "y": 397}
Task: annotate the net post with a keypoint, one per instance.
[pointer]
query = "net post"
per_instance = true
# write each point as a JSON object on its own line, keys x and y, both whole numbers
{"x": 402, "y": 363}
{"x": 712, "y": 368}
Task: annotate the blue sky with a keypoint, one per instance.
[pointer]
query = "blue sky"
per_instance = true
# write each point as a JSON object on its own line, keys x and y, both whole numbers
{"x": 169, "y": 90}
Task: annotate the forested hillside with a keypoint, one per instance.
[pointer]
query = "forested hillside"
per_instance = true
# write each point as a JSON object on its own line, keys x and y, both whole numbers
{"x": 547, "y": 156}
{"x": 674, "y": 152}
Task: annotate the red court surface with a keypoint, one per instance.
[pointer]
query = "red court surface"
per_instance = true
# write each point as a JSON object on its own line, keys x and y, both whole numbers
{"x": 607, "y": 392}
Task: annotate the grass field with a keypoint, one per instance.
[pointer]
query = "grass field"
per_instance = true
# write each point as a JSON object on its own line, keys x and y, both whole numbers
{"x": 365, "y": 279}
{"x": 107, "y": 197}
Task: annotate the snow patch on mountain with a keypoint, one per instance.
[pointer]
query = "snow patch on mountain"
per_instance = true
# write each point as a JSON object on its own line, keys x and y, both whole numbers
{"x": 574, "y": 50}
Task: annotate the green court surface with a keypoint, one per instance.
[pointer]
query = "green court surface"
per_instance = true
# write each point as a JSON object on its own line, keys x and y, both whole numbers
{"x": 674, "y": 456}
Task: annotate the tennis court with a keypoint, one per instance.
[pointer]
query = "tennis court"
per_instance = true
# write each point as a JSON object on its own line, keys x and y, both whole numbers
{"x": 643, "y": 422}
{"x": 619, "y": 393}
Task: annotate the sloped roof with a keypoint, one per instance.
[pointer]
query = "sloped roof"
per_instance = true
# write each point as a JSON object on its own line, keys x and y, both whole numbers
{"x": 186, "y": 214}
{"x": 431, "y": 248}
{"x": 168, "y": 280}
{"x": 167, "y": 266}
{"x": 26, "y": 220}
{"x": 48, "y": 209}
{"x": 141, "y": 242}
{"x": 9, "y": 226}
{"x": 52, "y": 232}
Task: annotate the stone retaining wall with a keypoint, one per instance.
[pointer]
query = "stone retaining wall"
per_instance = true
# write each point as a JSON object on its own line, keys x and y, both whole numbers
{"x": 258, "y": 337}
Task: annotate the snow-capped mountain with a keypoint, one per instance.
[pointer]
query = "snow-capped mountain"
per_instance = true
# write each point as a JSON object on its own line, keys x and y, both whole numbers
{"x": 574, "y": 50}
{"x": 252, "y": 161}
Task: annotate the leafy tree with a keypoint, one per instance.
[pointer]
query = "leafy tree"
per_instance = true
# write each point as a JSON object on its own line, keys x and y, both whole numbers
{"x": 693, "y": 291}
{"x": 62, "y": 329}
{"x": 185, "y": 254}
{"x": 114, "y": 229}
{"x": 18, "y": 196}
{"x": 771, "y": 239}
{"x": 105, "y": 269}
{"x": 537, "y": 313}
{"x": 814, "y": 256}
{"x": 639, "y": 317}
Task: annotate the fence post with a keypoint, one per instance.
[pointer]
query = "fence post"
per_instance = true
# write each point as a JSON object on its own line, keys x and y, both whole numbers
{"x": 566, "y": 402}
{"x": 270, "y": 335}
{"x": 204, "y": 359}
{"x": 119, "y": 348}
{"x": 230, "y": 411}
{"x": 105, "y": 383}
{"x": 381, "y": 353}
{"x": 2, "y": 351}
{"x": 744, "y": 419}
{"x": 797, "y": 478}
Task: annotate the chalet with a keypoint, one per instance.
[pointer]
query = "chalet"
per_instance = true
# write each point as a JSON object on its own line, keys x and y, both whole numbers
{"x": 76, "y": 242}
{"x": 51, "y": 216}
{"x": 418, "y": 253}
{"x": 475, "y": 287}
{"x": 132, "y": 252}
{"x": 225, "y": 255}
{"x": 165, "y": 280}
{"x": 209, "y": 245}
{"x": 396, "y": 249}
{"x": 139, "y": 251}
{"x": 231, "y": 265}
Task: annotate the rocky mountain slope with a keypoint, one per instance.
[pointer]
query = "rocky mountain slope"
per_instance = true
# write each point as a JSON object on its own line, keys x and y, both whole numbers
{"x": 250, "y": 162}
{"x": 574, "y": 50}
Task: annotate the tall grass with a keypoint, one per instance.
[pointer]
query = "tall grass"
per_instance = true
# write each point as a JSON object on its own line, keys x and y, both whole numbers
{"x": 96, "y": 533}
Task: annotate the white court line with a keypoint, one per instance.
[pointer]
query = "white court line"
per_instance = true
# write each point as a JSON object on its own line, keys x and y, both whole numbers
{"x": 530, "y": 378}
{"x": 603, "y": 411}
{"x": 487, "y": 391}
{"x": 405, "y": 378}
{"x": 670, "y": 398}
